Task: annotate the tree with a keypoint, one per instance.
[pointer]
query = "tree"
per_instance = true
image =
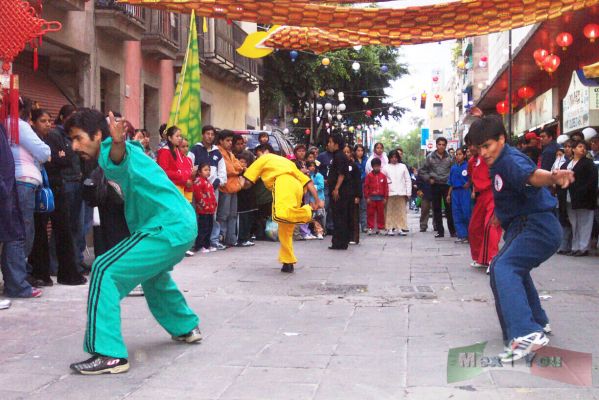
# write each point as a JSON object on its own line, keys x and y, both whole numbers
{"x": 409, "y": 143}
{"x": 298, "y": 85}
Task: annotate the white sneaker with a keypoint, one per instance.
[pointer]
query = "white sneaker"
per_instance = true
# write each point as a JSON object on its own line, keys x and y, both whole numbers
{"x": 319, "y": 236}
{"x": 137, "y": 291}
{"x": 212, "y": 249}
{"x": 390, "y": 233}
{"x": 474, "y": 264}
{"x": 309, "y": 236}
{"x": 402, "y": 233}
{"x": 488, "y": 270}
{"x": 4, "y": 304}
{"x": 370, "y": 232}
{"x": 205, "y": 250}
{"x": 189, "y": 253}
{"x": 547, "y": 329}
{"x": 522, "y": 346}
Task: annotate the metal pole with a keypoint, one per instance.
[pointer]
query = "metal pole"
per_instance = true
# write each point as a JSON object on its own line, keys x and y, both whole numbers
{"x": 509, "y": 85}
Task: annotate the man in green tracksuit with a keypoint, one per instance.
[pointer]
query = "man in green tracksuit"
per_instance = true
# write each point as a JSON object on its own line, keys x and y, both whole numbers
{"x": 162, "y": 225}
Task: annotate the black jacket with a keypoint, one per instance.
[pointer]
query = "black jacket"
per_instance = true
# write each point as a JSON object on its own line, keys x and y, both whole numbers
{"x": 583, "y": 191}
{"x": 54, "y": 167}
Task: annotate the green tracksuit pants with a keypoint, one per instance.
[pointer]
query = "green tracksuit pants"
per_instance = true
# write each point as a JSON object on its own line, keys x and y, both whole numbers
{"x": 145, "y": 258}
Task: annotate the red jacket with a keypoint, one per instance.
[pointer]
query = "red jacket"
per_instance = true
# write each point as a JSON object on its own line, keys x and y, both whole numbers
{"x": 204, "y": 197}
{"x": 178, "y": 169}
{"x": 376, "y": 185}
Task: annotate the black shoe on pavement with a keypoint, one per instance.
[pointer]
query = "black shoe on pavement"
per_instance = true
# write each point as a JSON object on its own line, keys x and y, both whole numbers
{"x": 287, "y": 268}
{"x": 101, "y": 365}
{"x": 439, "y": 235}
{"x": 80, "y": 281}
{"x": 580, "y": 253}
{"x": 192, "y": 337}
{"x": 422, "y": 230}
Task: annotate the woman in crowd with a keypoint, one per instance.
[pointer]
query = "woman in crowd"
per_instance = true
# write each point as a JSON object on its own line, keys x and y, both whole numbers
{"x": 360, "y": 159}
{"x": 581, "y": 198}
{"x": 400, "y": 190}
{"x": 176, "y": 165}
{"x": 379, "y": 152}
{"x": 68, "y": 273}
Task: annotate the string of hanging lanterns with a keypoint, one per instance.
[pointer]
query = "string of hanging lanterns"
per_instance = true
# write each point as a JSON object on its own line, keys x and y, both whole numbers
{"x": 326, "y": 61}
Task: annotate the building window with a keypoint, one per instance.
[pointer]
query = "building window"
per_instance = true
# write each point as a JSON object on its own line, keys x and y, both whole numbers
{"x": 438, "y": 110}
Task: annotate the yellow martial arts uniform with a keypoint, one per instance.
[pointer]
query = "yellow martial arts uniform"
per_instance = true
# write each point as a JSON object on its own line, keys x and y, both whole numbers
{"x": 287, "y": 184}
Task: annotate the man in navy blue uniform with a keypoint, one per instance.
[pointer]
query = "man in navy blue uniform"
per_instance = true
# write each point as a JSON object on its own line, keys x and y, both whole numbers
{"x": 524, "y": 208}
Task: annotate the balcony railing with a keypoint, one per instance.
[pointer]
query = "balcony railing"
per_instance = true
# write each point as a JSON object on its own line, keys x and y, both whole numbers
{"x": 219, "y": 46}
{"x": 162, "y": 34}
{"x": 135, "y": 12}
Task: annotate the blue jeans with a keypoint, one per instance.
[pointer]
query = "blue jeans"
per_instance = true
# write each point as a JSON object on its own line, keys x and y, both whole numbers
{"x": 328, "y": 207}
{"x": 226, "y": 215}
{"x": 214, "y": 235}
{"x": 529, "y": 241}
{"x": 14, "y": 269}
{"x": 363, "y": 219}
{"x": 27, "y": 206}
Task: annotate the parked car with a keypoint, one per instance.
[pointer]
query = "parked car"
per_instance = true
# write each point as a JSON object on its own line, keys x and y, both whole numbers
{"x": 281, "y": 145}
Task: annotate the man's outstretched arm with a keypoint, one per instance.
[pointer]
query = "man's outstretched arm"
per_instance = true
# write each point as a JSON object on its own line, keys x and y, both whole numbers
{"x": 117, "y": 132}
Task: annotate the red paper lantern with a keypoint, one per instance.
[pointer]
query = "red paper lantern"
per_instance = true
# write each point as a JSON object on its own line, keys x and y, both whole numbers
{"x": 368, "y": 113}
{"x": 591, "y": 31}
{"x": 564, "y": 39}
{"x": 551, "y": 63}
{"x": 540, "y": 55}
{"x": 484, "y": 58}
{"x": 502, "y": 107}
{"x": 526, "y": 92}
{"x": 435, "y": 78}
{"x": 307, "y": 131}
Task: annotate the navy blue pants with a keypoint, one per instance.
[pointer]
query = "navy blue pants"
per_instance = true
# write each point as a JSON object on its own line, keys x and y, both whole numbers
{"x": 529, "y": 241}
{"x": 461, "y": 208}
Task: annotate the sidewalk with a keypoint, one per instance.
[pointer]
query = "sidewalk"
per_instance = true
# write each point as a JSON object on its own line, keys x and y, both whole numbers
{"x": 374, "y": 322}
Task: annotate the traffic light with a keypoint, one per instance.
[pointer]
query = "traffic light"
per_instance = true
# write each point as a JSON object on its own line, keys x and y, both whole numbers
{"x": 423, "y": 100}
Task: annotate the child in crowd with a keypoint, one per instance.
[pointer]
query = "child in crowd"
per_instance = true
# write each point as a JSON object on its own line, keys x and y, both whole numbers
{"x": 525, "y": 209}
{"x": 205, "y": 206}
{"x": 319, "y": 216}
{"x": 400, "y": 190}
{"x": 376, "y": 192}
{"x": 246, "y": 208}
{"x": 459, "y": 195}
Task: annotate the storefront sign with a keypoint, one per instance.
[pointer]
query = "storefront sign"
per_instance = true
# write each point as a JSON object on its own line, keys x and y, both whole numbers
{"x": 576, "y": 105}
{"x": 535, "y": 113}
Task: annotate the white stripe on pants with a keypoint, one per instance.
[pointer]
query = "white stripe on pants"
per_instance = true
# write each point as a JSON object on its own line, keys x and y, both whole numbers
{"x": 582, "y": 226}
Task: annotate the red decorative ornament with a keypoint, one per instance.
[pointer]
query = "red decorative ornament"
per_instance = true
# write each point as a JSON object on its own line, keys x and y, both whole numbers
{"x": 484, "y": 58}
{"x": 540, "y": 55}
{"x": 307, "y": 131}
{"x": 526, "y": 93}
{"x": 435, "y": 78}
{"x": 591, "y": 32}
{"x": 551, "y": 63}
{"x": 502, "y": 107}
{"x": 368, "y": 113}
{"x": 20, "y": 26}
{"x": 564, "y": 39}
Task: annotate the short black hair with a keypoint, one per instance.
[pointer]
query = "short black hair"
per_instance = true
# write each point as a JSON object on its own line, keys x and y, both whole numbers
{"x": 37, "y": 113}
{"x": 375, "y": 161}
{"x": 440, "y": 139}
{"x": 207, "y": 128}
{"x": 310, "y": 163}
{"x": 161, "y": 130}
{"x": 64, "y": 113}
{"x": 584, "y": 143}
{"x": 337, "y": 139}
{"x": 237, "y": 138}
{"x": 90, "y": 121}
{"x": 225, "y": 134}
{"x": 299, "y": 147}
{"x": 394, "y": 153}
{"x": 485, "y": 128}
{"x": 262, "y": 134}
{"x": 202, "y": 165}
{"x": 264, "y": 147}
{"x": 550, "y": 130}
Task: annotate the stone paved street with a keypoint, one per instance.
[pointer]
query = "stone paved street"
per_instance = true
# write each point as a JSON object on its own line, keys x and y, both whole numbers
{"x": 359, "y": 324}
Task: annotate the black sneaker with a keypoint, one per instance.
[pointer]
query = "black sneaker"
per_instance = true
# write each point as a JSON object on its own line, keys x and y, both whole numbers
{"x": 439, "y": 235}
{"x": 287, "y": 268}
{"x": 192, "y": 337}
{"x": 101, "y": 365}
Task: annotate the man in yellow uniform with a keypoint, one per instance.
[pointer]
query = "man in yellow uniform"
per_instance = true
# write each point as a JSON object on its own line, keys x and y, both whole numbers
{"x": 288, "y": 185}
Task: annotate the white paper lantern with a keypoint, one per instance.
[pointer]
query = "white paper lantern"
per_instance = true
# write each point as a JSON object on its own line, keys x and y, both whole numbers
{"x": 330, "y": 92}
{"x": 286, "y": 131}
{"x": 341, "y": 95}
{"x": 339, "y": 117}
{"x": 355, "y": 66}
{"x": 328, "y": 106}
{"x": 341, "y": 107}
{"x": 365, "y": 100}
{"x": 357, "y": 48}
{"x": 319, "y": 106}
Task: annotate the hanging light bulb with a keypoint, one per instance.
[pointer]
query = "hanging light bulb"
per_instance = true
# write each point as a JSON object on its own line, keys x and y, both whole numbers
{"x": 296, "y": 121}
{"x": 355, "y": 66}
{"x": 341, "y": 107}
{"x": 326, "y": 61}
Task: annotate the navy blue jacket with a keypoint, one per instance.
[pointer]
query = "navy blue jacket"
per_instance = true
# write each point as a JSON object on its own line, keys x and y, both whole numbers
{"x": 11, "y": 221}
{"x": 548, "y": 155}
